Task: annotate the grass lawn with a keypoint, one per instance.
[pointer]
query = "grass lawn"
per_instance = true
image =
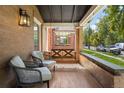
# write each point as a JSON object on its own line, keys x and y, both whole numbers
{"x": 111, "y": 54}
{"x": 112, "y": 60}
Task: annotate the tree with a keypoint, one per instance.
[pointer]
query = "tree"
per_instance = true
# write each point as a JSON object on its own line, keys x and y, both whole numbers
{"x": 87, "y": 35}
{"x": 110, "y": 29}
{"x": 115, "y": 15}
{"x": 111, "y": 26}
{"x": 103, "y": 30}
{"x": 94, "y": 39}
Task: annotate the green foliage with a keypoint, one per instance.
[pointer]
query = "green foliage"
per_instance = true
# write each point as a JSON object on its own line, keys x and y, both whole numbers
{"x": 94, "y": 39}
{"x": 110, "y": 29}
{"x": 87, "y": 36}
{"x": 115, "y": 15}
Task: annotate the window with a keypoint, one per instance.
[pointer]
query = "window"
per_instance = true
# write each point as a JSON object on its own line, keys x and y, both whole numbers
{"x": 63, "y": 37}
{"x": 61, "y": 40}
{"x": 36, "y": 36}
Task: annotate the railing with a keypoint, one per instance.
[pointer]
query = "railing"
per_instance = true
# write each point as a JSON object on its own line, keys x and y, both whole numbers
{"x": 63, "y": 53}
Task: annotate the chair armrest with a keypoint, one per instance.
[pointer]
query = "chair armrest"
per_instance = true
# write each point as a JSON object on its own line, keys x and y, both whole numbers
{"x": 29, "y": 61}
{"x": 28, "y": 75}
{"x": 31, "y": 65}
{"x": 37, "y": 60}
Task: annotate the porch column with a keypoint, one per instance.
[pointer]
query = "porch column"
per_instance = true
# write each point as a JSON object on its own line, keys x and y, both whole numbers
{"x": 77, "y": 44}
{"x": 81, "y": 38}
{"x": 50, "y": 37}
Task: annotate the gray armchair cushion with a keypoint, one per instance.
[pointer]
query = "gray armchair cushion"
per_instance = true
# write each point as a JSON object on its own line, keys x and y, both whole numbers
{"x": 38, "y": 54}
{"x": 49, "y": 63}
{"x": 46, "y": 74}
{"x": 17, "y": 61}
{"x": 28, "y": 75}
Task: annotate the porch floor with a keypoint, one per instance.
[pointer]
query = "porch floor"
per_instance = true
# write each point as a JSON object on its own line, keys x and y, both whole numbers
{"x": 71, "y": 76}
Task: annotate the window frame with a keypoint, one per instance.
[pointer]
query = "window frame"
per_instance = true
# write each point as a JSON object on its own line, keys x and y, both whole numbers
{"x": 39, "y": 33}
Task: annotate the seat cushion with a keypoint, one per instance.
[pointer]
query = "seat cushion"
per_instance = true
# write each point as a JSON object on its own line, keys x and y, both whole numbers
{"x": 49, "y": 63}
{"x": 17, "y": 61}
{"x": 38, "y": 54}
{"x": 46, "y": 74}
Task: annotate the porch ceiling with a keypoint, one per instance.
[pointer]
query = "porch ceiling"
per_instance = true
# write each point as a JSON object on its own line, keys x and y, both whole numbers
{"x": 63, "y": 13}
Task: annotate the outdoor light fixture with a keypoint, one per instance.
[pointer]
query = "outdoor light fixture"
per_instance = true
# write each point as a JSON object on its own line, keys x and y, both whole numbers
{"x": 24, "y": 18}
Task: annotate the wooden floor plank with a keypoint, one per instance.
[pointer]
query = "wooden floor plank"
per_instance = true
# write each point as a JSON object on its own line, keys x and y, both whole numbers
{"x": 74, "y": 78}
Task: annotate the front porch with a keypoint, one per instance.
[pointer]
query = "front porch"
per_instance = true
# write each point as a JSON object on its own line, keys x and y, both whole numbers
{"x": 55, "y": 32}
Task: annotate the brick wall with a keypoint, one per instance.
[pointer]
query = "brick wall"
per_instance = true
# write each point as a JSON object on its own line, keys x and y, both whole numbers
{"x": 14, "y": 39}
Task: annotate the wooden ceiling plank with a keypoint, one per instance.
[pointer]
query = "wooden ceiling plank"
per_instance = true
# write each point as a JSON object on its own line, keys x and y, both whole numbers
{"x": 73, "y": 13}
{"x": 63, "y": 13}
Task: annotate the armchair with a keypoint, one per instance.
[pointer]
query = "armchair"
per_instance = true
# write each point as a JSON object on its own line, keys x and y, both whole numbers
{"x": 38, "y": 56}
{"x": 28, "y": 76}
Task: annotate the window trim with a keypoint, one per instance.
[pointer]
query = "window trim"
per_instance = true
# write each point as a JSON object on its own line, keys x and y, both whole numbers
{"x": 39, "y": 34}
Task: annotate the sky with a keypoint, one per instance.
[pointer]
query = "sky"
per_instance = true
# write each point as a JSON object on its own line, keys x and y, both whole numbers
{"x": 96, "y": 18}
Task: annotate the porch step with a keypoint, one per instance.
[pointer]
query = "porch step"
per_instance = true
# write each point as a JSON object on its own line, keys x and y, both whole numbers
{"x": 68, "y": 67}
{"x": 65, "y": 60}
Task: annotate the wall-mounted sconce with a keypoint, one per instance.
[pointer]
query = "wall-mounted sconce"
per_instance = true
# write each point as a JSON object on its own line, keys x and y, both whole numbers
{"x": 24, "y": 18}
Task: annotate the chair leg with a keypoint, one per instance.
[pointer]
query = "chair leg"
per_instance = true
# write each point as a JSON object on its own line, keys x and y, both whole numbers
{"x": 54, "y": 68}
{"x": 19, "y": 86}
{"x": 48, "y": 84}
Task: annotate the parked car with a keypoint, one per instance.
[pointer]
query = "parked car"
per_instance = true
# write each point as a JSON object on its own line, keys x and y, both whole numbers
{"x": 100, "y": 48}
{"x": 120, "y": 45}
{"x": 113, "y": 49}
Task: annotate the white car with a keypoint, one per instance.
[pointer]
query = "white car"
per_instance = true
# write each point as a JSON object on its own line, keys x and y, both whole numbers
{"x": 100, "y": 48}
{"x": 120, "y": 45}
{"x": 113, "y": 49}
